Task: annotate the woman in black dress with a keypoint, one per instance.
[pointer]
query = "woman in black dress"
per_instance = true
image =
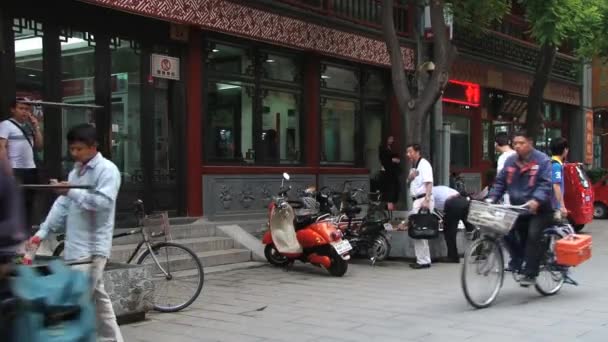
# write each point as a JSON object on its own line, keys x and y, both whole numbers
{"x": 389, "y": 180}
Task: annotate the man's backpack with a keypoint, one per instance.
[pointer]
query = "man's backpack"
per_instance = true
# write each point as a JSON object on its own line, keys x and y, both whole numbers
{"x": 57, "y": 307}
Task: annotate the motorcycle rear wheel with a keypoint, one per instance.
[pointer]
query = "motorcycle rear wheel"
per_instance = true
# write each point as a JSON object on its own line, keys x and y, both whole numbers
{"x": 338, "y": 266}
{"x": 380, "y": 248}
{"x": 274, "y": 257}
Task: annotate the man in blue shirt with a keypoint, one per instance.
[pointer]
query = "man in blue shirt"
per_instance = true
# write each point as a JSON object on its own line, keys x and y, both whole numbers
{"x": 559, "y": 152}
{"x": 526, "y": 177}
{"x": 87, "y": 216}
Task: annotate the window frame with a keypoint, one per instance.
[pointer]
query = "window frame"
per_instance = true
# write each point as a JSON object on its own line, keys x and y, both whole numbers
{"x": 361, "y": 98}
{"x": 259, "y": 84}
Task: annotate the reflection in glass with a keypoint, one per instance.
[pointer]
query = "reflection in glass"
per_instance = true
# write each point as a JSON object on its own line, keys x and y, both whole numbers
{"x": 229, "y": 59}
{"x": 280, "y": 140}
{"x": 373, "y": 115}
{"x": 339, "y": 78}
{"x": 28, "y": 68}
{"x": 280, "y": 68}
{"x": 230, "y": 121}
{"x": 460, "y": 141}
{"x": 78, "y": 71}
{"x": 338, "y": 131}
{"x": 126, "y": 111}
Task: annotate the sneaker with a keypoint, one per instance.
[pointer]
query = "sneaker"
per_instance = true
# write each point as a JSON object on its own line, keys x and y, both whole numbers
{"x": 527, "y": 281}
{"x": 418, "y": 266}
{"x": 514, "y": 265}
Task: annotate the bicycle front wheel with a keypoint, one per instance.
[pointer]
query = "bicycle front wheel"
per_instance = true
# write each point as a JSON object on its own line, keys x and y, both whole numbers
{"x": 177, "y": 274}
{"x": 482, "y": 272}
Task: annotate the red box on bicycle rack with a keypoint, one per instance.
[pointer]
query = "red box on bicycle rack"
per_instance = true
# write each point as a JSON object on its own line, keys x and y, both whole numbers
{"x": 573, "y": 250}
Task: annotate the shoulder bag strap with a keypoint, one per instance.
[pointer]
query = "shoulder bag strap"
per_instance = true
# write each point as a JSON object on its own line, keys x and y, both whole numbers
{"x": 24, "y": 134}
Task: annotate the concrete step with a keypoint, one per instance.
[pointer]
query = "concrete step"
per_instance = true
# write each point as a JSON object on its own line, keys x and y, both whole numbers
{"x": 121, "y": 253}
{"x": 198, "y": 229}
{"x": 208, "y": 259}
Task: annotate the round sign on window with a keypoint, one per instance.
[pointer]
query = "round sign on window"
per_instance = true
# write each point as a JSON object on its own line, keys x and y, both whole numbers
{"x": 165, "y": 64}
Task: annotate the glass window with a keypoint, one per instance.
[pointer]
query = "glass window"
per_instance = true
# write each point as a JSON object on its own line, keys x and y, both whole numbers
{"x": 460, "y": 141}
{"x": 230, "y": 59}
{"x": 230, "y": 121}
{"x": 547, "y": 111}
{"x": 373, "y": 117}
{"x": 77, "y": 72}
{"x": 487, "y": 143}
{"x": 280, "y": 139}
{"x": 281, "y": 68}
{"x": 126, "y": 110}
{"x": 558, "y": 113}
{"x": 597, "y": 151}
{"x": 338, "y": 130}
{"x": 333, "y": 77}
{"x": 28, "y": 65}
{"x": 374, "y": 84}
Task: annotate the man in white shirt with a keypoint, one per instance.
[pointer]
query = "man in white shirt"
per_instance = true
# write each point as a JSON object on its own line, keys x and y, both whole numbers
{"x": 421, "y": 190}
{"x": 502, "y": 144}
{"x": 20, "y": 137}
{"x": 455, "y": 209}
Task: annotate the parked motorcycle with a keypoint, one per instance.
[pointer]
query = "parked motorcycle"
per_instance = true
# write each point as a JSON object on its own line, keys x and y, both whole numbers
{"x": 303, "y": 237}
{"x": 369, "y": 235}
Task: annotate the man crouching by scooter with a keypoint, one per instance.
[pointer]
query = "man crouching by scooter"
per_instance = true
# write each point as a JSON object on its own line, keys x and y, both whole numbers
{"x": 526, "y": 177}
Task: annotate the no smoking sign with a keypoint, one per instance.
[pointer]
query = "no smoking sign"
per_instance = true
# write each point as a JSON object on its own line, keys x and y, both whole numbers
{"x": 163, "y": 66}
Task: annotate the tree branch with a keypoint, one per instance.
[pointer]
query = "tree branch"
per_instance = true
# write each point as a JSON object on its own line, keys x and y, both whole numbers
{"x": 393, "y": 47}
{"x": 546, "y": 59}
{"x": 444, "y": 55}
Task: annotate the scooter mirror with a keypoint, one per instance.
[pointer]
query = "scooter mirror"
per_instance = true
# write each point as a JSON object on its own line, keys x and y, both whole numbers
{"x": 286, "y": 176}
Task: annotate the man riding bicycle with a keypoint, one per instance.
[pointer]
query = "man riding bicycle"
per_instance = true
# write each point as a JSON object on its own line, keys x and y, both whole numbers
{"x": 526, "y": 178}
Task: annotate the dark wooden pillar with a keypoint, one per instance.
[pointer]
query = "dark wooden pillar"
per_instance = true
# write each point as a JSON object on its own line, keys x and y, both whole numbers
{"x": 7, "y": 61}
{"x": 194, "y": 132}
{"x": 312, "y": 110}
{"x": 103, "y": 93}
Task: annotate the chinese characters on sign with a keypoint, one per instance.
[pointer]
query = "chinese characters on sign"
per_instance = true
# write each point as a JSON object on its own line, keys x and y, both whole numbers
{"x": 589, "y": 137}
{"x": 164, "y": 67}
{"x": 464, "y": 93}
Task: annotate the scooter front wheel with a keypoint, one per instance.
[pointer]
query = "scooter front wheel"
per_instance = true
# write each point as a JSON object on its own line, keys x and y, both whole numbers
{"x": 274, "y": 257}
{"x": 338, "y": 266}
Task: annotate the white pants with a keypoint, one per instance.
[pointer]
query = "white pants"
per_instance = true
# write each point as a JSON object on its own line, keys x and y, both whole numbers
{"x": 107, "y": 327}
{"x": 421, "y": 247}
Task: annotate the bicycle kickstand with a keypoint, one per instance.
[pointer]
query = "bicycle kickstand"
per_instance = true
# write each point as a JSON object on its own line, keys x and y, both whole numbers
{"x": 569, "y": 280}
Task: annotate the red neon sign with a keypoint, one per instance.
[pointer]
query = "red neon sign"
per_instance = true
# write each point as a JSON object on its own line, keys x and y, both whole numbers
{"x": 463, "y": 93}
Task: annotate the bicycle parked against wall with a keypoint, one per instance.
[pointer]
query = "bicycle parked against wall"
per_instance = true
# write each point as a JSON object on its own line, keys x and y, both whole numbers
{"x": 177, "y": 274}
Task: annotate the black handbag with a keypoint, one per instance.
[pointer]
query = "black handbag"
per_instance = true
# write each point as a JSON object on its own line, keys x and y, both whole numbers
{"x": 423, "y": 226}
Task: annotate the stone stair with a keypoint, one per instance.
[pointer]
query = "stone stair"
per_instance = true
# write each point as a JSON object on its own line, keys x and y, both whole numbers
{"x": 211, "y": 245}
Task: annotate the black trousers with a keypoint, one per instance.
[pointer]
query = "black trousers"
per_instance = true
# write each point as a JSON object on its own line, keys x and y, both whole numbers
{"x": 28, "y": 176}
{"x": 525, "y": 240}
{"x": 455, "y": 209}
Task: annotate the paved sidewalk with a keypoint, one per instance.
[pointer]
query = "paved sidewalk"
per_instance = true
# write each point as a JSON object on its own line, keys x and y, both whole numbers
{"x": 387, "y": 303}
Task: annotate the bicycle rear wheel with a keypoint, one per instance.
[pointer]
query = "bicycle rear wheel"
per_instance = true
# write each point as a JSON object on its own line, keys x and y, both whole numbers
{"x": 177, "y": 275}
{"x": 551, "y": 276}
{"x": 482, "y": 272}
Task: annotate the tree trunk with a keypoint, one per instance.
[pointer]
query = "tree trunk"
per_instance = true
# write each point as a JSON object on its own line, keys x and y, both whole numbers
{"x": 402, "y": 92}
{"x": 546, "y": 59}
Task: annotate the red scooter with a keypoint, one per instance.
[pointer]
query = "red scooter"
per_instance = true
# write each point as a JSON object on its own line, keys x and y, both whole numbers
{"x": 305, "y": 238}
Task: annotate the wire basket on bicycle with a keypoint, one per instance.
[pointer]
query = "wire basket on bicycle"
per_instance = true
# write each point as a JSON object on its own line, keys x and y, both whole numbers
{"x": 157, "y": 225}
{"x": 491, "y": 218}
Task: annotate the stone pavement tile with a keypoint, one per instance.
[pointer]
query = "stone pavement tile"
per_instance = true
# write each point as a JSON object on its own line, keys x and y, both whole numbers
{"x": 207, "y": 334}
{"x": 326, "y": 322}
{"x": 266, "y": 330}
